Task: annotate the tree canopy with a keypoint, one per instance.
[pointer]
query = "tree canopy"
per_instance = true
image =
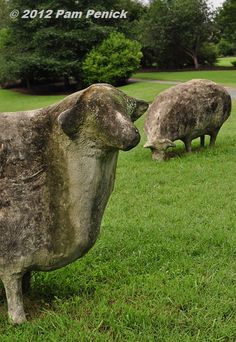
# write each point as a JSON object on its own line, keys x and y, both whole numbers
{"x": 226, "y": 20}
{"x": 51, "y": 48}
{"x": 173, "y": 34}
{"x": 176, "y": 30}
{"x": 4, "y": 14}
{"x": 226, "y": 25}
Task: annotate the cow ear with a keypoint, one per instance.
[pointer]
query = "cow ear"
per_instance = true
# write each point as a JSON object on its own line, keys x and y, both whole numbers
{"x": 148, "y": 145}
{"x": 67, "y": 121}
{"x": 71, "y": 118}
{"x": 139, "y": 109}
{"x": 169, "y": 143}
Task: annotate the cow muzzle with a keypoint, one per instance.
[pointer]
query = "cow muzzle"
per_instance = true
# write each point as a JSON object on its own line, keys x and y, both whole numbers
{"x": 134, "y": 139}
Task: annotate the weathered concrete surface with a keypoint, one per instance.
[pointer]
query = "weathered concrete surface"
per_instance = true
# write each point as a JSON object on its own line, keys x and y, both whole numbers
{"x": 57, "y": 171}
{"x": 186, "y": 111}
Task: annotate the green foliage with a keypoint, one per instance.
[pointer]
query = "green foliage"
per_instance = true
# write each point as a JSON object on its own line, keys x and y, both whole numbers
{"x": 156, "y": 36}
{"x": 226, "y": 20}
{"x": 55, "y": 48}
{"x": 7, "y": 66}
{"x": 4, "y": 32}
{"x": 113, "y": 61}
{"x": 208, "y": 54}
{"x": 4, "y": 13}
{"x": 226, "y": 48}
{"x": 176, "y": 31}
{"x": 233, "y": 63}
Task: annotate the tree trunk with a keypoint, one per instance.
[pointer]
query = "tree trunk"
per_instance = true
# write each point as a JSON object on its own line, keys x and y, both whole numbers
{"x": 66, "y": 82}
{"x": 195, "y": 61}
{"x": 28, "y": 83}
{"x": 193, "y": 54}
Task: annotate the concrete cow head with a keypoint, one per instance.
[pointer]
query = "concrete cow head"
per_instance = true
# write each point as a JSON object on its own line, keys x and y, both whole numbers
{"x": 159, "y": 148}
{"x": 105, "y": 115}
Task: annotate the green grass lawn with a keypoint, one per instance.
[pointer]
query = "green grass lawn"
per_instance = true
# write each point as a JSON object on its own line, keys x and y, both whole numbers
{"x": 163, "y": 269}
{"x": 225, "y": 61}
{"x": 13, "y": 101}
{"x": 144, "y": 90}
{"x": 226, "y": 77}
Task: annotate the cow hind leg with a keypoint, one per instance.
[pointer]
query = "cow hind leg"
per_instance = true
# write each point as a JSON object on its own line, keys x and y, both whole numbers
{"x": 202, "y": 140}
{"x": 188, "y": 145}
{"x": 13, "y": 289}
{"x": 213, "y": 136}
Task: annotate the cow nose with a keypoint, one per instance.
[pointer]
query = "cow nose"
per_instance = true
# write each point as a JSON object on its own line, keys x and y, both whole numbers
{"x": 135, "y": 139}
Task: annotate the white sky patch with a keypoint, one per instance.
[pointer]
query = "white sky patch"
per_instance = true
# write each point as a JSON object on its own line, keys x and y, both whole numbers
{"x": 215, "y": 3}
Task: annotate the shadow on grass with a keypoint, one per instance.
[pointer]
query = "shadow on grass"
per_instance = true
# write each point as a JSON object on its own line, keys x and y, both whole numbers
{"x": 45, "y": 293}
{"x": 180, "y": 152}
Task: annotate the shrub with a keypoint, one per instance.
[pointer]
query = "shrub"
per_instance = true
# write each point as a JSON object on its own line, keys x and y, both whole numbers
{"x": 208, "y": 54}
{"x": 113, "y": 61}
{"x": 233, "y": 63}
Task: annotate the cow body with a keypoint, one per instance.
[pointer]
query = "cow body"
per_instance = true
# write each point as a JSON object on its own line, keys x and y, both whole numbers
{"x": 186, "y": 111}
{"x": 57, "y": 171}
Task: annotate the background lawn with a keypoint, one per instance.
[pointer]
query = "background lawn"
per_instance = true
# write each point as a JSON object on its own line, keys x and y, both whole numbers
{"x": 226, "y": 77}
{"x": 164, "y": 266}
{"x": 11, "y": 101}
{"x": 225, "y": 61}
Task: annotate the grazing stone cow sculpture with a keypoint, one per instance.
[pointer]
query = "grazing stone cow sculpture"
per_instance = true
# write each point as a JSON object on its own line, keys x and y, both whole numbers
{"x": 57, "y": 169}
{"x": 186, "y": 111}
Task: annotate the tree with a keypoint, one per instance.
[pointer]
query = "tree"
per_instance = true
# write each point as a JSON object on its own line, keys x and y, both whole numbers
{"x": 226, "y": 20}
{"x": 156, "y": 37}
{"x": 113, "y": 61}
{"x": 4, "y": 13}
{"x": 194, "y": 26}
{"x": 178, "y": 28}
{"x": 55, "y": 48}
{"x": 6, "y": 73}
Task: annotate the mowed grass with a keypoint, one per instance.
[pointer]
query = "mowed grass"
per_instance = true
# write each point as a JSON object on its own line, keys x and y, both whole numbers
{"x": 226, "y": 77}
{"x": 164, "y": 266}
{"x": 226, "y": 61}
{"x": 12, "y": 101}
{"x": 144, "y": 90}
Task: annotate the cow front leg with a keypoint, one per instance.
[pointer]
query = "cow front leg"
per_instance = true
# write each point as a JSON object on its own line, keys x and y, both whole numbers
{"x": 13, "y": 289}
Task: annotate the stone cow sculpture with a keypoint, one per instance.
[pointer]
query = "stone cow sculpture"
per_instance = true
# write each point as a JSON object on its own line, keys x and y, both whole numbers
{"x": 186, "y": 111}
{"x": 57, "y": 169}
